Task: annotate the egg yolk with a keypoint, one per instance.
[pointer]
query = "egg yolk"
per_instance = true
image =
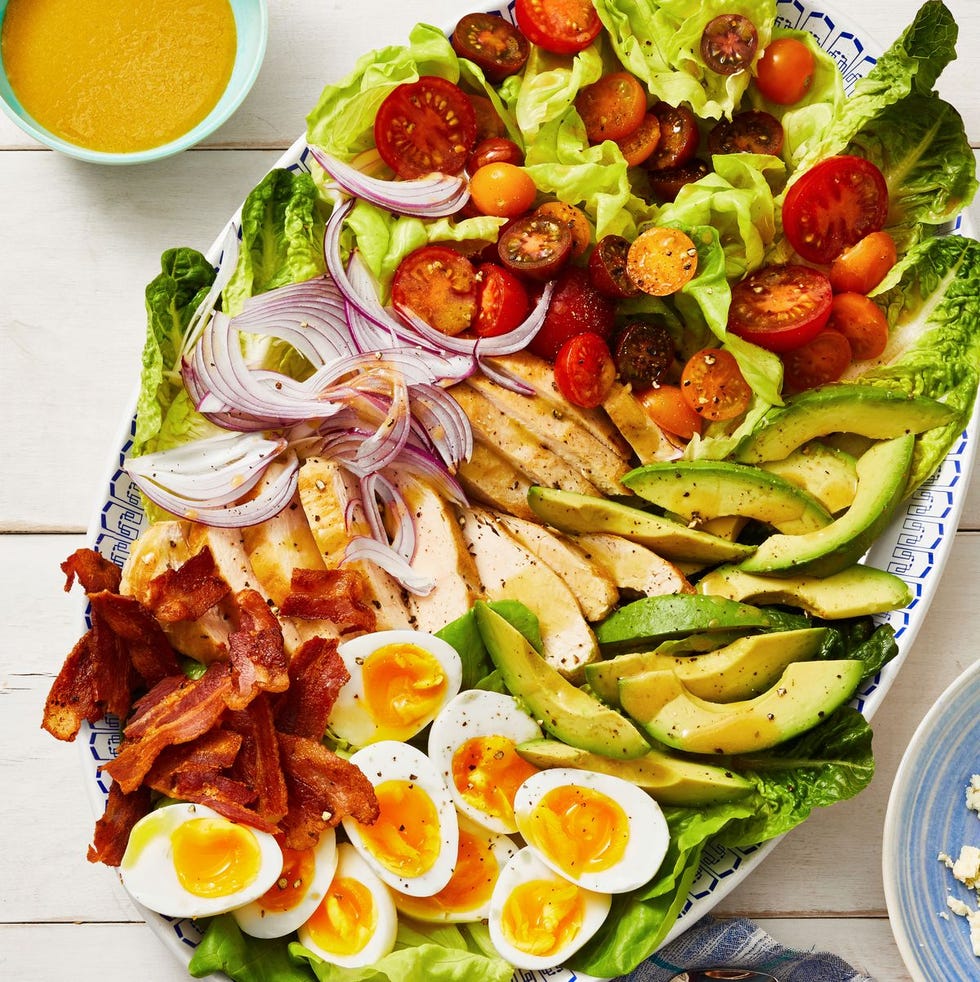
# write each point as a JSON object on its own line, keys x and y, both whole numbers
{"x": 298, "y": 866}
{"x": 541, "y": 917}
{"x": 345, "y": 920}
{"x": 214, "y": 857}
{"x": 404, "y": 686}
{"x": 487, "y": 771}
{"x": 470, "y": 887}
{"x": 405, "y": 837}
{"x": 581, "y": 830}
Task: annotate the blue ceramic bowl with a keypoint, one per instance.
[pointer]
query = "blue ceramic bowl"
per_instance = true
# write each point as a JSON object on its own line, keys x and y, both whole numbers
{"x": 252, "y": 28}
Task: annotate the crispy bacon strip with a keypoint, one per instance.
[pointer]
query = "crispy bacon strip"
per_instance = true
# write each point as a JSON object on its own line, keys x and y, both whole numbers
{"x": 336, "y": 595}
{"x": 323, "y": 789}
{"x": 176, "y": 714}
{"x": 122, "y": 812}
{"x": 94, "y": 572}
{"x": 259, "y": 764}
{"x": 210, "y": 753}
{"x": 316, "y": 675}
{"x": 187, "y": 592}
{"x": 226, "y": 795}
{"x": 148, "y": 647}
{"x": 256, "y": 649}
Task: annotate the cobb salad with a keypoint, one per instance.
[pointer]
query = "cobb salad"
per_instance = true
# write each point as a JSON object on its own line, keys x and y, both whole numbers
{"x": 537, "y": 416}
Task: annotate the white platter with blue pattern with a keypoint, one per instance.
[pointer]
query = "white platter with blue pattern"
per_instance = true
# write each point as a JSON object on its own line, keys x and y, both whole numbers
{"x": 914, "y": 547}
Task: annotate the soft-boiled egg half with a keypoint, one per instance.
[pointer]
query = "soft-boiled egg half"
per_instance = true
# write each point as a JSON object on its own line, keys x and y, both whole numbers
{"x": 399, "y": 680}
{"x": 186, "y": 860}
{"x": 539, "y": 918}
{"x": 299, "y": 888}
{"x": 356, "y": 922}
{"x": 481, "y": 856}
{"x": 599, "y": 831}
{"x": 413, "y": 843}
{"x": 472, "y": 743}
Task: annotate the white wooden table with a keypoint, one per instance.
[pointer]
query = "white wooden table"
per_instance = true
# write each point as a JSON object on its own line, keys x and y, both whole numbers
{"x": 77, "y": 245}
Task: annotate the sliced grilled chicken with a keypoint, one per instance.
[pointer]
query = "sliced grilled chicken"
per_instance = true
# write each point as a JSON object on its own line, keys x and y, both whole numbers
{"x": 648, "y": 441}
{"x": 632, "y": 566}
{"x": 489, "y": 478}
{"x": 509, "y": 571}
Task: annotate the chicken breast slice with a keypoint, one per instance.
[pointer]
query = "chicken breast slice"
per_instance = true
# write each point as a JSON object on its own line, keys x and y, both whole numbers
{"x": 490, "y": 479}
{"x": 632, "y": 566}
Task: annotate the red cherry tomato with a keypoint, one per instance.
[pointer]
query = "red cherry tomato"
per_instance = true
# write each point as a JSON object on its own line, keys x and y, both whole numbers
{"x": 501, "y": 299}
{"x": 862, "y": 322}
{"x": 784, "y": 73}
{"x": 780, "y": 307}
{"x": 584, "y": 370}
{"x": 667, "y": 183}
{"x": 713, "y": 385}
{"x": 613, "y": 107}
{"x": 425, "y": 126}
{"x": 644, "y": 353}
{"x": 679, "y": 136}
{"x": 608, "y": 268}
{"x": 668, "y": 408}
{"x": 492, "y": 43}
{"x": 833, "y": 205}
{"x": 439, "y": 285}
{"x": 576, "y": 307}
{"x": 563, "y": 27}
{"x": 494, "y": 150}
{"x": 862, "y": 266}
{"x": 488, "y": 121}
{"x": 753, "y": 131}
{"x": 729, "y": 43}
{"x": 536, "y": 246}
{"x": 822, "y": 360}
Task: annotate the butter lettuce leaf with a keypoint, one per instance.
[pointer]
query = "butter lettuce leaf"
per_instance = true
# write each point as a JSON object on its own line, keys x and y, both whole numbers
{"x": 225, "y": 948}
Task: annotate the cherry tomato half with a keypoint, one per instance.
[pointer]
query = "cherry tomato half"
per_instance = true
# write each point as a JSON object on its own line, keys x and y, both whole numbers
{"x": 439, "y": 285}
{"x": 833, "y": 205}
{"x": 862, "y": 322}
{"x": 502, "y": 302}
{"x": 666, "y": 183}
{"x": 536, "y": 246}
{"x": 576, "y": 307}
{"x": 752, "y": 131}
{"x": 667, "y": 407}
{"x": 494, "y": 150}
{"x": 612, "y": 107}
{"x": 563, "y": 27}
{"x": 862, "y": 266}
{"x": 822, "y": 360}
{"x": 662, "y": 260}
{"x": 425, "y": 126}
{"x": 780, "y": 307}
{"x": 607, "y": 268}
{"x": 784, "y": 73}
{"x": 644, "y": 353}
{"x": 713, "y": 385}
{"x": 729, "y": 44}
{"x": 488, "y": 121}
{"x": 679, "y": 136}
{"x": 574, "y": 219}
{"x": 502, "y": 189}
{"x": 584, "y": 370}
{"x": 492, "y": 43}
{"x": 638, "y": 146}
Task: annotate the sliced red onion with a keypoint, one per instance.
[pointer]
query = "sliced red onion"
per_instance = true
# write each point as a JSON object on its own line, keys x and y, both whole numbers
{"x": 436, "y": 196}
{"x": 445, "y": 424}
{"x": 422, "y": 465}
{"x": 361, "y": 547}
{"x": 504, "y": 378}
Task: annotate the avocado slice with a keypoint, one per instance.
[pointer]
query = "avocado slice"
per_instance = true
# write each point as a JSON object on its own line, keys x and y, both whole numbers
{"x": 806, "y": 693}
{"x": 827, "y": 473}
{"x": 867, "y": 410}
{"x": 645, "y": 623}
{"x": 670, "y": 780}
{"x": 853, "y": 592}
{"x": 563, "y": 710}
{"x": 704, "y": 489}
{"x": 740, "y": 670}
{"x": 570, "y": 511}
{"x": 882, "y": 477}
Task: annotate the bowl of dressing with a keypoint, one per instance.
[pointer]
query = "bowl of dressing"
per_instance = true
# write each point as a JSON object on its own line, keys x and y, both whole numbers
{"x": 127, "y": 81}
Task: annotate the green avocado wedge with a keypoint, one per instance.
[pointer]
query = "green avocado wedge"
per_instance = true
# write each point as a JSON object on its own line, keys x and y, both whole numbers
{"x": 704, "y": 489}
{"x": 866, "y": 410}
{"x": 853, "y": 592}
{"x": 566, "y": 712}
{"x": 569, "y": 511}
{"x": 806, "y": 693}
{"x": 829, "y": 474}
{"x": 882, "y": 475}
{"x": 740, "y": 670}
{"x": 669, "y": 779}
{"x": 649, "y": 621}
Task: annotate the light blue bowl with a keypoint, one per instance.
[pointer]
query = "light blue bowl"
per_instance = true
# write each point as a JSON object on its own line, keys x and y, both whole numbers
{"x": 252, "y": 28}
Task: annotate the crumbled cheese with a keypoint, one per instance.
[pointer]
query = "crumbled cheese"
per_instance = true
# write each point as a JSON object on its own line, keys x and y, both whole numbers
{"x": 966, "y": 869}
{"x": 973, "y": 794}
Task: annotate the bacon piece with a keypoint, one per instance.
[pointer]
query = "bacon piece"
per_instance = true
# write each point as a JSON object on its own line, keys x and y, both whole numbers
{"x": 188, "y": 591}
{"x": 316, "y": 675}
{"x": 122, "y": 812}
{"x": 94, "y": 572}
{"x": 96, "y": 678}
{"x": 323, "y": 789}
{"x": 256, "y": 650}
{"x": 148, "y": 647}
{"x": 170, "y": 714}
{"x": 210, "y": 753}
{"x": 338, "y": 595}
{"x": 226, "y": 795}
{"x": 259, "y": 765}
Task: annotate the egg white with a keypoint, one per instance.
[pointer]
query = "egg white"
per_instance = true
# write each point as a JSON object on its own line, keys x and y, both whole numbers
{"x": 351, "y": 719}
{"x": 261, "y": 922}
{"x": 148, "y": 872}
{"x": 648, "y": 838}
{"x": 477, "y": 713}
{"x": 523, "y": 868}
{"x": 391, "y": 760}
{"x": 350, "y": 866}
